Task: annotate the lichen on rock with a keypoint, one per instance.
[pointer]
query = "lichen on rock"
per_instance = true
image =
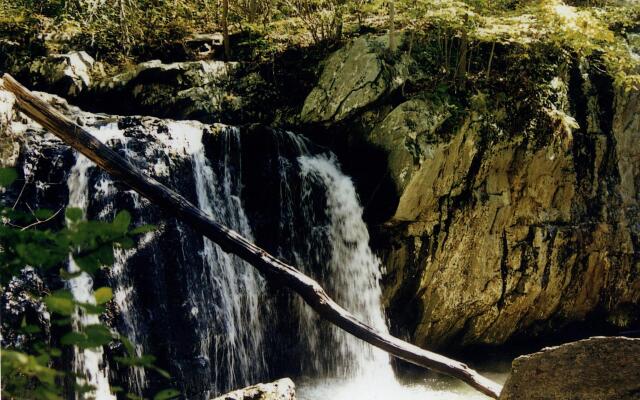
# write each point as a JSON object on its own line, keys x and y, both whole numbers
{"x": 354, "y": 77}
{"x": 598, "y": 368}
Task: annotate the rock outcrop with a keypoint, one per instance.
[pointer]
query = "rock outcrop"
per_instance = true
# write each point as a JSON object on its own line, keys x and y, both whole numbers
{"x": 504, "y": 237}
{"x": 512, "y": 218}
{"x": 185, "y": 90}
{"x": 64, "y": 74}
{"x": 282, "y": 389}
{"x": 599, "y": 368}
{"x": 406, "y": 133}
{"x": 354, "y": 77}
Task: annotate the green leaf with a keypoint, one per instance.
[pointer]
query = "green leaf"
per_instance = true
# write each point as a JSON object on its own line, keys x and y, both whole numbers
{"x": 88, "y": 263}
{"x": 128, "y": 345}
{"x": 55, "y": 352}
{"x": 61, "y": 322}
{"x": 166, "y": 394}
{"x": 7, "y": 176}
{"x": 60, "y": 302}
{"x": 73, "y": 214}
{"x": 121, "y": 221}
{"x": 162, "y": 372}
{"x": 92, "y": 261}
{"x": 43, "y": 213}
{"x": 90, "y": 308}
{"x": 125, "y": 243}
{"x": 93, "y": 336}
{"x": 74, "y": 338}
{"x": 142, "y": 229}
{"x": 103, "y": 295}
{"x": 66, "y": 275}
{"x": 97, "y": 335}
{"x": 31, "y": 329}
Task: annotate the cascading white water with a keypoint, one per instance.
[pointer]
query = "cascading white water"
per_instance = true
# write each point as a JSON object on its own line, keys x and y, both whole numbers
{"x": 88, "y": 363}
{"x": 227, "y": 299}
{"x": 238, "y": 333}
{"x": 352, "y": 276}
{"x": 353, "y": 272}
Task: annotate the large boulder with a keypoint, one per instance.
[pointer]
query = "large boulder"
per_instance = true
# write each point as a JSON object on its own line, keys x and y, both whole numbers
{"x": 353, "y": 78}
{"x": 599, "y": 368}
{"x": 282, "y": 389}
{"x": 64, "y": 74}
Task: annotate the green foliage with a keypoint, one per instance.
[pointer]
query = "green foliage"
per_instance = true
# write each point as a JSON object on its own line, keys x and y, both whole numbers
{"x": 89, "y": 242}
{"x": 30, "y": 372}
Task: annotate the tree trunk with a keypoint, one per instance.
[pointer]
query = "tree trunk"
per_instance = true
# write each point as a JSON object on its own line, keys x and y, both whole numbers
{"x": 225, "y": 29}
{"x": 232, "y": 242}
{"x": 393, "y": 42}
{"x": 253, "y": 10}
{"x": 493, "y": 48}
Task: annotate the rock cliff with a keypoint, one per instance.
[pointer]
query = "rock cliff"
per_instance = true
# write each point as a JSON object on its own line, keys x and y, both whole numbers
{"x": 514, "y": 217}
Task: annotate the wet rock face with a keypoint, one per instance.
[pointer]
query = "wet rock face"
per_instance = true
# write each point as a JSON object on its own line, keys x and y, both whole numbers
{"x": 499, "y": 231}
{"x": 282, "y": 389}
{"x": 354, "y": 77}
{"x": 598, "y": 368}
{"x": 18, "y": 303}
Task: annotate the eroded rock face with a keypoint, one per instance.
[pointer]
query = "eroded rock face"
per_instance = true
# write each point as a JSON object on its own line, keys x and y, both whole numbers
{"x": 282, "y": 389}
{"x": 493, "y": 239}
{"x": 599, "y": 368}
{"x": 353, "y": 78}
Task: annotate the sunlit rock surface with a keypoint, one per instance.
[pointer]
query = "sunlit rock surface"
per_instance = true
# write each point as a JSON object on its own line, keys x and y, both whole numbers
{"x": 599, "y": 368}
{"x": 282, "y": 389}
{"x": 64, "y": 74}
{"x": 499, "y": 238}
{"x": 354, "y": 77}
{"x": 513, "y": 219}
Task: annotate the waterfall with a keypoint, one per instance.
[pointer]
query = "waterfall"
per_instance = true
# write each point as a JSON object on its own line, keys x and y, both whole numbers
{"x": 322, "y": 232}
{"x": 87, "y": 363}
{"x": 225, "y": 299}
{"x": 208, "y": 316}
{"x": 353, "y": 273}
{"x": 234, "y": 326}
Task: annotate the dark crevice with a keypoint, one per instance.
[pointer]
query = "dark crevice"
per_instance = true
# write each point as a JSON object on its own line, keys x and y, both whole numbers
{"x": 504, "y": 269}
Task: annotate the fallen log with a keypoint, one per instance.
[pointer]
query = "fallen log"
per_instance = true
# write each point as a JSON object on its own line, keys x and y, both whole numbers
{"x": 232, "y": 242}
